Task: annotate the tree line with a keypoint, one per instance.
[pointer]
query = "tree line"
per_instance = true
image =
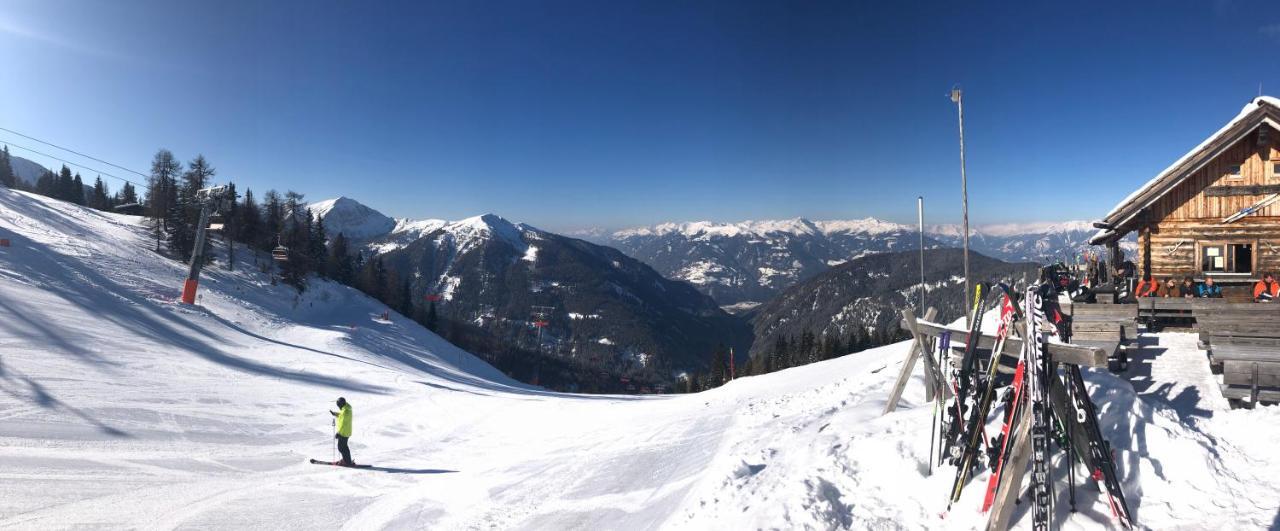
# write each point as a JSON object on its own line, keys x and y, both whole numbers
{"x": 790, "y": 352}
{"x": 67, "y": 186}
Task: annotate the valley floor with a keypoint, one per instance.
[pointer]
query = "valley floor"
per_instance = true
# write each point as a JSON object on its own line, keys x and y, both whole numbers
{"x": 121, "y": 409}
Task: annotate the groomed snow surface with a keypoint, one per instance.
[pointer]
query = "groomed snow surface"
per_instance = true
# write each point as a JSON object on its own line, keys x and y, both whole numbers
{"x": 121, "y": 409}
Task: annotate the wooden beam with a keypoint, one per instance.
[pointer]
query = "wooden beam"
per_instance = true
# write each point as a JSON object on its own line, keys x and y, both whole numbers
{"x": 1015, "y": 466}
{"x": 918, "y": 346}
{"x": 1225, "y": 191}
{"x": 1061, "y": 352}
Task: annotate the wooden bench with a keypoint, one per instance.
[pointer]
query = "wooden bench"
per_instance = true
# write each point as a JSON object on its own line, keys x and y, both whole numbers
{"x": 1104, "y": 326}
{"x": 1249, "y": 371}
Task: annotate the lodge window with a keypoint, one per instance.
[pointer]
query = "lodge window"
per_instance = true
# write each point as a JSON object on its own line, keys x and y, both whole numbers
{"x": 1226, "y": 257}
{"x": 1233, "y": 172}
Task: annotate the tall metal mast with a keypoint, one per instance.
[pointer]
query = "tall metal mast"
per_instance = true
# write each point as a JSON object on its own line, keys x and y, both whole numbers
{"x": 211, "y": 200}
{"x": 958, "y": 98}
{"x": 920, "y": 215}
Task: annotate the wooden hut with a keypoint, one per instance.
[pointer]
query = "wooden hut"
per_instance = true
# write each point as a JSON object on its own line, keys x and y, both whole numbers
{"x": 1183, "y": 217}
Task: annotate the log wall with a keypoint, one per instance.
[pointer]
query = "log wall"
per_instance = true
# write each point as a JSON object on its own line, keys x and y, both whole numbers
{"x": 1192, "y": 213}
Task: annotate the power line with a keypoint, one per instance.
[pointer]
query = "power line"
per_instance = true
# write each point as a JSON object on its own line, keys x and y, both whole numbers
{"x": 65, "y": 161}
{"x": 138, "y": 173}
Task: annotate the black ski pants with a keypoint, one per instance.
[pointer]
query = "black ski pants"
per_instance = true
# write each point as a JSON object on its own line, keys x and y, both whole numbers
{"x": 344, "y": 450}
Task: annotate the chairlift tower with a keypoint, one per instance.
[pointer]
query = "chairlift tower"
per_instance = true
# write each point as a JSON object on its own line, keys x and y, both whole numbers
{"x": 212, "y": 201}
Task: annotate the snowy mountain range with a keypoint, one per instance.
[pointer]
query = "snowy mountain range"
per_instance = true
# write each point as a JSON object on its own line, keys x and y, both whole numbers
{"x": 599, "y": 305}
{"x": 753, "y": 261}
{"x": 866, "y": 295}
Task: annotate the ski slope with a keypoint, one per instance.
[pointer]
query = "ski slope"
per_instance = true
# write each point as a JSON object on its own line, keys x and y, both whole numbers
{"x": 122, "y": 409}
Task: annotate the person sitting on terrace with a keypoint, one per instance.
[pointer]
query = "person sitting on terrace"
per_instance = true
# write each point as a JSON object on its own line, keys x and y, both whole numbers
{"x": 1266, "y": 289}
{"x": 1147, "y": 287}
{"x": 1188, "y": 287}
{"x": 1170, "y": 288}
{"x": 1209, "y": 290}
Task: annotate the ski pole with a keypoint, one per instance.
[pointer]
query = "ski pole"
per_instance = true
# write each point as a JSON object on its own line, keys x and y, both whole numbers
{"x": 1071, "y": 462}
{"x": 334, "y": 453}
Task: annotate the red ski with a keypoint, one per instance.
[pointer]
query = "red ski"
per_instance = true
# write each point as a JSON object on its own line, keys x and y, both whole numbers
{"x": 1011, "y": 418}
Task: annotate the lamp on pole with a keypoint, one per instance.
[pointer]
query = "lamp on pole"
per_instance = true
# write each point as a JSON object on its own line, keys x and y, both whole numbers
{"x": 958, "y": 98}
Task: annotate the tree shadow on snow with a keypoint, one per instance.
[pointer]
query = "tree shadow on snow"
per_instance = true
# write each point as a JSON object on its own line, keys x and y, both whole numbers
{"x": 10, "y": 385}
{"x": 106, "y": 299}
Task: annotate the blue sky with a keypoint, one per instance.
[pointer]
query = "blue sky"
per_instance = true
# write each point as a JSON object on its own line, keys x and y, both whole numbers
{"x": 576, "y": 114}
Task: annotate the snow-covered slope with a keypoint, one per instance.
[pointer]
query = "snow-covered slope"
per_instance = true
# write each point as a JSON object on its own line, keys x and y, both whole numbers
{"x": 121, "y": 409}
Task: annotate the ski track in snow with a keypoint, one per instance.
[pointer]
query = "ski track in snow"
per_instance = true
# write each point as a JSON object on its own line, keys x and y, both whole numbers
{"x": 122, "y": 409}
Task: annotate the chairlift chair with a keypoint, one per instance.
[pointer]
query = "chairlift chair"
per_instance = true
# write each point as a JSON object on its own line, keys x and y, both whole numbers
{"x": 280, "y": 253}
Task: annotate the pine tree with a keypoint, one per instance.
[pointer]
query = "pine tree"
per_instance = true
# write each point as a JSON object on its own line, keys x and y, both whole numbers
{"x": 719, "y": 367}
{"x": 294, "y": 271}
{"x": 63, "y": 189}
{"x": 179, "y": 232}
{"x": 76, "y": 194}
{"x": 198, "y": 176}
{"x": 778, "y": 358}
{"x": 807, "y": 348}
{"x": 293, "y": 206}
{"x": 373, "y": 278}
{"x": 432, "y": 320}
{"x": 248, "y": 226}
{"x": 316, "y": 244}
{"x": 100, "y": 199}
{"x": 273, "y": 215}
{"x": 47, "y": 184}
{"x": 162, "y": 191}
{"x": 338, "y": 264}
{"x": 7, "y": 177}
{"x": 128, "y": 194}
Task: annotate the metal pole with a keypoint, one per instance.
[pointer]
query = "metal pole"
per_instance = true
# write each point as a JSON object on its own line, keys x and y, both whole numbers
{"x": 958, "y": 98}
{"x": 920, "y": 219}
{"x": 197, "y": 258}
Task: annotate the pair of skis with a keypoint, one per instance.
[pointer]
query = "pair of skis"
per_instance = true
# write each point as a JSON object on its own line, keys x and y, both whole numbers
{"x": 962, "y": 383}
{"x": 974, "y": 433}
{"x": 338, "y": 463}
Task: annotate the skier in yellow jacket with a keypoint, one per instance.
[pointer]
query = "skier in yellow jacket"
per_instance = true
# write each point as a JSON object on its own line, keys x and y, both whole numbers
{"x": 343, "y": 424}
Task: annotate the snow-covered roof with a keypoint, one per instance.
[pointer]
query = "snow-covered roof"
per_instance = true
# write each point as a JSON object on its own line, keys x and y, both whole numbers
{"x": 1264, "y": 109}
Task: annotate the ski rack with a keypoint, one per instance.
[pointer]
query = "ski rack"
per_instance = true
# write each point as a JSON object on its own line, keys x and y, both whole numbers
{"x": 1064, "y": 356}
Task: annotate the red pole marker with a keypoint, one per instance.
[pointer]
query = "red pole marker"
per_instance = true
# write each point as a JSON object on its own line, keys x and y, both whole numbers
{"x": 189, "y": 291}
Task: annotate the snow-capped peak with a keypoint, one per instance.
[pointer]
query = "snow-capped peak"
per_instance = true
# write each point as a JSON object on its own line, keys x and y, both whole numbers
{"x": 485, "y": 226}
{"x": 352, "y": 219}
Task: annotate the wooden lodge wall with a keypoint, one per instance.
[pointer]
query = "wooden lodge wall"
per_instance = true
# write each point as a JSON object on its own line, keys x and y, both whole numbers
{"x": 1193, "y": 211}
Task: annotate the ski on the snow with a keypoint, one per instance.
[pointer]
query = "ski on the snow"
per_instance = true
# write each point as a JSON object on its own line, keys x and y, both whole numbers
{"x": 338, "y": 463}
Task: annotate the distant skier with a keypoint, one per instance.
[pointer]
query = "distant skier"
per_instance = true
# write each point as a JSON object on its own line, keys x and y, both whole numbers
{"x": 343, "y": 423}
